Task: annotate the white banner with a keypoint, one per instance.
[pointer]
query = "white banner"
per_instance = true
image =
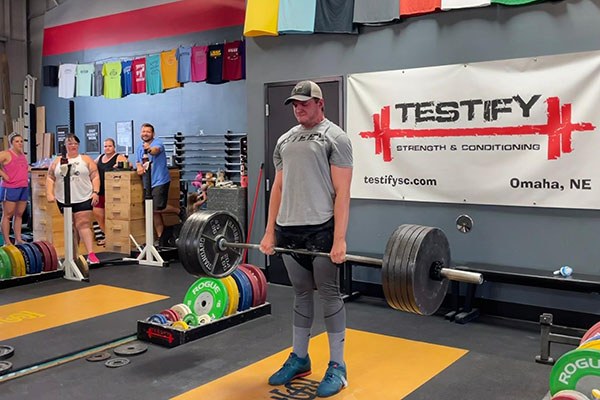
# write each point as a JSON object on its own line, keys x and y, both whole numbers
{"x": 522, "y": 132}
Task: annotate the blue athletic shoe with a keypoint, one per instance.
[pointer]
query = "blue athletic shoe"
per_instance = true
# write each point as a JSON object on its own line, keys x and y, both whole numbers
{"x": 294, "y": 367}
{"x": 333, "y": 381}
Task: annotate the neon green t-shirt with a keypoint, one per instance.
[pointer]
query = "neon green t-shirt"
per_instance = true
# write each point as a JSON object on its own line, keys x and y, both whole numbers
{"x": 112, "y": 80}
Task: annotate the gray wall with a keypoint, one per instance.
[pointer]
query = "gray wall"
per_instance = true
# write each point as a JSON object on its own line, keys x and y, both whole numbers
{"x": 540, "y": 238}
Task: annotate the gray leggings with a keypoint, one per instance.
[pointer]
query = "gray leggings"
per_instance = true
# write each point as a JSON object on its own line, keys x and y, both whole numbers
{"x": 324, "y": 277}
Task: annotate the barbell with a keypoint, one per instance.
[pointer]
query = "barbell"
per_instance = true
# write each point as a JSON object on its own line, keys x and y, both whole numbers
{"x": 414, "y": 267}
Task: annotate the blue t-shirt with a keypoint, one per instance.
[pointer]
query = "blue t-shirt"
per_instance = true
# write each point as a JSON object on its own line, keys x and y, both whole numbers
{"x": 184, "y": 68}
{"x": 153, "y": 77}
{"x": 126, "y": 83}
{"x": 297, "y": 16}
{"x": 160, "y": 171}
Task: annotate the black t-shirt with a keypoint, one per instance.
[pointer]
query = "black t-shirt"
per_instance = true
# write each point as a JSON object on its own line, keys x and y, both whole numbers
{"x": 103, "y": 167}
{"x": 215, "y": 64}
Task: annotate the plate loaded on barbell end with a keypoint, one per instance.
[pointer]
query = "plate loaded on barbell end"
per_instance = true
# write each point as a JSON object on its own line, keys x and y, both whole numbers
{"x": 198, "y": 248}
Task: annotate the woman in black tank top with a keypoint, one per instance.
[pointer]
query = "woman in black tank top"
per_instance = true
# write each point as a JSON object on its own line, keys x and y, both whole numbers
{"x": 105, "y": 162}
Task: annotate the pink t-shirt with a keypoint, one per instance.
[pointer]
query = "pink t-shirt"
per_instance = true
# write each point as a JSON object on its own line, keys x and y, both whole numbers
{"x": 138, "y": 72}
{"x": 199, "y": 63}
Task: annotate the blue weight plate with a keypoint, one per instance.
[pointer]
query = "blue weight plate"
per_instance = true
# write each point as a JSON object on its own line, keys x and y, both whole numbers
{"x": 37, "y": 254}
{"x": 245, "y": 289}
{"x": 27, "y": 257}
{"x": 158, "y": 319}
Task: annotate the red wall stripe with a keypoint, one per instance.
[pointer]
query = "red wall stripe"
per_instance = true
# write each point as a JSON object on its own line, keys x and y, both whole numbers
{"x": 171, "y": 19}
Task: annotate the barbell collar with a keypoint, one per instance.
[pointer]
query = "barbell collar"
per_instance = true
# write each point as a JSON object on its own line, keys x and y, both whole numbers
{"x": 462, "y": 276}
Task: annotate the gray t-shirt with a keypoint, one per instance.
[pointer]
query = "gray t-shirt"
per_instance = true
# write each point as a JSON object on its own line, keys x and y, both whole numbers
{"x": 305, "y": 157}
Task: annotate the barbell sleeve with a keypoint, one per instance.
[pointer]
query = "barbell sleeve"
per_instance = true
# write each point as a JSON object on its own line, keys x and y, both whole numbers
{"x": 448, "y": 273}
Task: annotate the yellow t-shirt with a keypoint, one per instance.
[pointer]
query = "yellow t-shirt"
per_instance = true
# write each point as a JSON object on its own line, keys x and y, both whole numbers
{"x": 112, "y": 79}
{"x": 168, "y": 69}
{"x": 261, "y": 18}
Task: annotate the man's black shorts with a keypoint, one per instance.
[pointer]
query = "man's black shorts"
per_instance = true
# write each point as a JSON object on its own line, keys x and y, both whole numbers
{"x": 317, "y": 238}
{"x": 160, "y": 195}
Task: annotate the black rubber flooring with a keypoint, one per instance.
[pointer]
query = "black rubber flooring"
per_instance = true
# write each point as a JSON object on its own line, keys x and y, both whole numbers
{"x": 500, "y": 363}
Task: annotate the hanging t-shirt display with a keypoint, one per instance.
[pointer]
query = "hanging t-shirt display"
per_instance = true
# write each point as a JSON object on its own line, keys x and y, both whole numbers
{"x": 138, "y": 69}
{"x": 297, "y": 16}
{"x": 126, "y": 78}
{"x": 168, "y": 69}
{"x": 199, "y": 63}
{"x": 184, "y": 60}
{"x": 66, "y": 81}
{"x": 50, "y": 73}
{"x": 453, "y": 4}
{"x": 153, "y": 78}
{"x": 416, "y": 7}
{"x": 376, "y": 12}
{"x": 215, "y": 64}
{"x": 98, "y": 80}
{"x": 335, "y": 16}
{"x": 232, "y": 61}
{"x": 112, "y": 80}
{"x": 84, "y": 74}
{"x": 261, "y": 18}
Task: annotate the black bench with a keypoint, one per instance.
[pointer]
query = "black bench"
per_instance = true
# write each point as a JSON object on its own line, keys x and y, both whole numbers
{"x": 550, "y": 333}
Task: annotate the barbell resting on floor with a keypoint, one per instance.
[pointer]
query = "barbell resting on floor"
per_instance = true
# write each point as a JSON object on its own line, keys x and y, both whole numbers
{"x": 414, "y": 267}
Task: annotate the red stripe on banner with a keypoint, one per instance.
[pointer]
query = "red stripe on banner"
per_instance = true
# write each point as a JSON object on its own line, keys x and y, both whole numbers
{"x": 171, "y": 19}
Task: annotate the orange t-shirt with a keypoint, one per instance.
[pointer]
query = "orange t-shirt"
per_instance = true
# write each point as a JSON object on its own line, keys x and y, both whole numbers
{"x": 168, "y": 69}
{"x": 413, "y": 7}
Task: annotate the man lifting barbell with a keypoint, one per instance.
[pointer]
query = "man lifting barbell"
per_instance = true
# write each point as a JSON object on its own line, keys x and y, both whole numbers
{"x": 309, "y": 208}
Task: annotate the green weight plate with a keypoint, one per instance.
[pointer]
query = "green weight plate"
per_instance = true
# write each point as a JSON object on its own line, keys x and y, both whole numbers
{"x": 191, "y": 319}
{"x": 5, "y": 267}
{"x": 207, "y": 296}
{"x": 573, "y": 366}
{"x": 593, "y": 331}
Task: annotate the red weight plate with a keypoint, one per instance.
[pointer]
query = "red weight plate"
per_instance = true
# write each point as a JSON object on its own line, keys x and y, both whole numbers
{"x": 593, "y": 331}
{"x": 170, "y": 314}
{"x": 262, "y": 281}
{"x": 53, "y": 255}
{"x": 256, "y": 292}
{"x": 46, "y": 257}
{"x": 569, "y": 395}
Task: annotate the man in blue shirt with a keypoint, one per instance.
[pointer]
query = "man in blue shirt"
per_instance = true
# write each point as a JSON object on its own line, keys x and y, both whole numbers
{"x": 153, "y": 151}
